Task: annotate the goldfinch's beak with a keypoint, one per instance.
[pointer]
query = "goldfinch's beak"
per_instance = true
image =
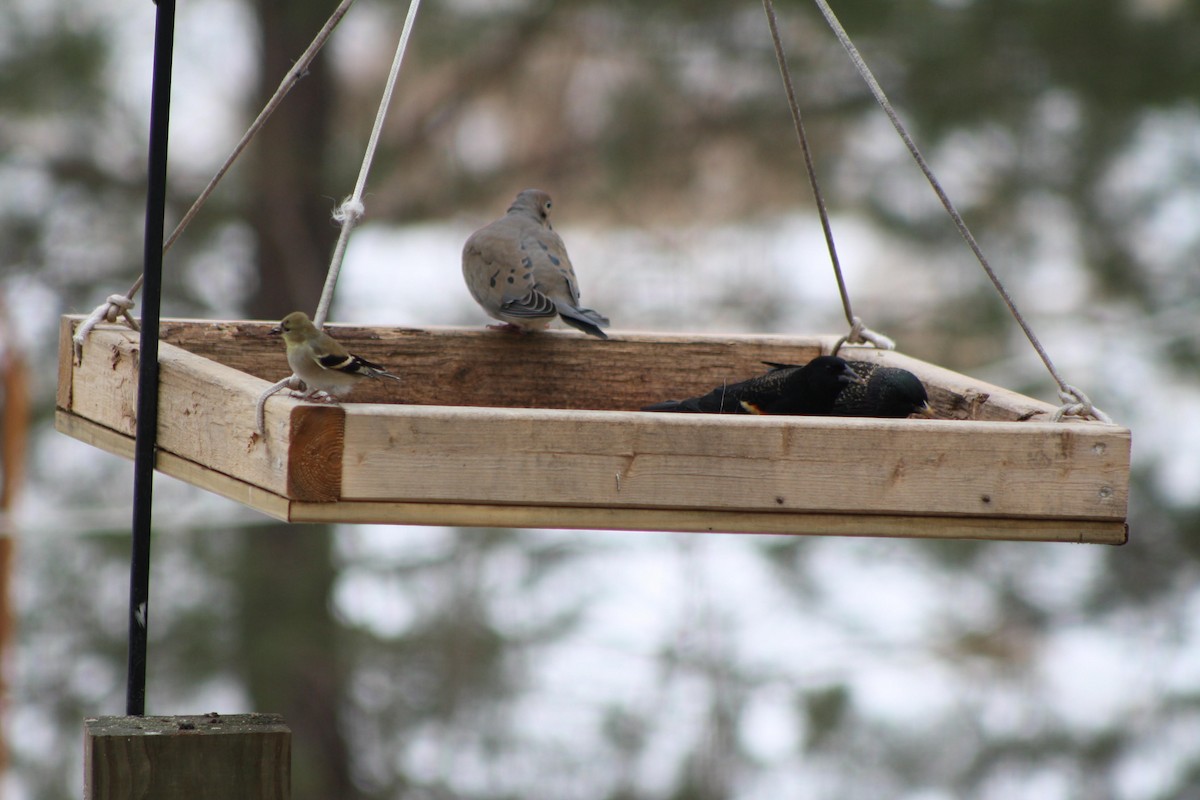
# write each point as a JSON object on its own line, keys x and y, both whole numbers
{"x": 276, "y": 330}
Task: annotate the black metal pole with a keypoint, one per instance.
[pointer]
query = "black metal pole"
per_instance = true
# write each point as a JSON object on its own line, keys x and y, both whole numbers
{"x": 147, "y": 399}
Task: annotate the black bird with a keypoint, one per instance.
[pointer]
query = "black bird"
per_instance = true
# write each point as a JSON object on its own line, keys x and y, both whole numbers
{"x": 810, "y": 389}
{"x": 884, "y": 392}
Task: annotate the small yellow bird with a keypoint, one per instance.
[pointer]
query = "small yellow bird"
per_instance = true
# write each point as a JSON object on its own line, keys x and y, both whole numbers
{"x": 322, "y": 363}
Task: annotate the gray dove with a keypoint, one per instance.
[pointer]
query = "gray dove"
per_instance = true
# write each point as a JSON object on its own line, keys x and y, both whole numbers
{"x": 517, "y": 269}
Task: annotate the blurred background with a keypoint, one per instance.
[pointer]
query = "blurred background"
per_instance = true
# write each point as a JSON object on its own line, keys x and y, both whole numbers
{"x": 443, "y": 663}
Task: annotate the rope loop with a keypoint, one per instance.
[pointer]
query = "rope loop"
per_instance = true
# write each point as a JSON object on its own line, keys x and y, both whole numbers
{"x": 119, "y": 305}
{"x": 116, "y": 305}
{"x": 349, "y": 212}
{"x": 1077, "y": 404}
{"x": 861, "y": 334}
{"x": 113, "y": 307}
{"x": 260, "y": 408}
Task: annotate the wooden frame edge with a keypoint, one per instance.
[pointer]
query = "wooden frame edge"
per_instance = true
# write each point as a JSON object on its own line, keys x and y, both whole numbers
{"x": 684, "y": 521}
{"x": 175, "y": 466}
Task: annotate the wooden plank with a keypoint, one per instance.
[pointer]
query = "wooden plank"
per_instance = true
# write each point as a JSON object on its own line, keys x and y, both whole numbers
{"x": 564, "y": 369}
{"x": 585, "y": 458}
{"x": 691, "y": 521}
{"x": 247, "y": 756}
{"x": 269, "y": 503}
{"x": 66, "y": 358}
{"x": 509, "y": 516}
{"x": 490, "y": 515}
{"x": 206, "y": 415}
{"x": 314, "y": 467}
{"x": 479, "y": 367}
{"x": 549, "y": 466}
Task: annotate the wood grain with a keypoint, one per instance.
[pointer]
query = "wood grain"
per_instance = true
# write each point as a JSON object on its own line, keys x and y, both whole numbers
{"x": 828, "y": 464}
{"x": 690, "y": 521}
{"x": 91, "y": 433}
{"x": 611, "y": 518}
{"x": 206, "y": 416}
{"x": 492, "y": 430}
{"x": 66, "y": 356}
{"x": 245, "y": 756}
{"x": 314, "y": 470}
{"x": 565, "y": 369}
{"x": 479, "y": 367}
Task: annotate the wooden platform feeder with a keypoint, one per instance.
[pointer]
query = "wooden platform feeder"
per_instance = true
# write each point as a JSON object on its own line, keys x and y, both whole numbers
{"x": 496, "y": 430}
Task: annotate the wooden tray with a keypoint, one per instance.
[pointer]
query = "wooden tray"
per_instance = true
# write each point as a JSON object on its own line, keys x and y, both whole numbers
{"x": 498, "y": 430}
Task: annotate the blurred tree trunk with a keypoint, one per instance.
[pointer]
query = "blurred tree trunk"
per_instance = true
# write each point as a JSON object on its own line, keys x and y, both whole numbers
{"x": 14, "y": 437}
{"x": 290, "y": 204}
{"x": 288, "y": 636}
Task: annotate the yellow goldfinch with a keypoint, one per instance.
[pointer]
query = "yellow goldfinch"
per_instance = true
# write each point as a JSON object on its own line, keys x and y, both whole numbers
{"x": 319, "y": 361}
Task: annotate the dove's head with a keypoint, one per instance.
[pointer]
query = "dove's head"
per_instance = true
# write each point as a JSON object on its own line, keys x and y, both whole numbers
{"x": 535, "y": 203}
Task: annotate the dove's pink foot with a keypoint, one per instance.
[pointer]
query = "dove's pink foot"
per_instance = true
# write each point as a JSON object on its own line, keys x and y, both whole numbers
{"x": 508, "y": 327}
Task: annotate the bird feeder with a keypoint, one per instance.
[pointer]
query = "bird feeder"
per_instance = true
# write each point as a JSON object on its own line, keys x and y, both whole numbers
{"x": 497, "y": 430}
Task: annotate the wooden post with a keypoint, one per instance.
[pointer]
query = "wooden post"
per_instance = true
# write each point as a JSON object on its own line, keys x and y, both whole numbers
{"x": 247, "y": 756}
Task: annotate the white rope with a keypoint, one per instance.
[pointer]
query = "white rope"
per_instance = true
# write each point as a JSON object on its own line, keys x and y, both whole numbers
{"x": 1077, "y": 404}
{"x": 352, "y": 209}
{"x": 293, "y": 76}
{"x": 861, "y": 334}
{"x": 1073, "y": 398}
{"x": 118, "y": 304}
{"x": 260, "y": 408}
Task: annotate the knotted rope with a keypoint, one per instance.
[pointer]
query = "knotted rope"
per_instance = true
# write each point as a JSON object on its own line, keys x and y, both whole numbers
{"x": 352, "y": 209}
{"x": 1075, "y": 402}
{"x": 119, "y": 305}
{"x": 859, "y": 333}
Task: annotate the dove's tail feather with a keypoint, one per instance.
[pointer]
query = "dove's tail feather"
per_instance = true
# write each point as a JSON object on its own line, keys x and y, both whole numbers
{"x": 585, "y": 319}
{"x": 594, "y": 316}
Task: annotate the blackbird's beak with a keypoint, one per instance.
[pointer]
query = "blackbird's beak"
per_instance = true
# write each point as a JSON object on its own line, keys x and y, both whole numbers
{"x": 926, "y": 410}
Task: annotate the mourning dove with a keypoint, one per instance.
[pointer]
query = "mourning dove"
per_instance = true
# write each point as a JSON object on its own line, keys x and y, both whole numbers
{"x": 517, "y": 269}
{"x": 811, "y": 389}
{"x": 319, "y": 361}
